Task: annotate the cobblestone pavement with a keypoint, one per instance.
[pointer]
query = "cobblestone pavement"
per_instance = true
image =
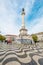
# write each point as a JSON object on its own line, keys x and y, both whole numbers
{"x": 21, "y": 55}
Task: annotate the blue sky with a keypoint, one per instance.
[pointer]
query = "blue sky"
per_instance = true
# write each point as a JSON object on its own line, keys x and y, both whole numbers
{"x": 10, "y": 16}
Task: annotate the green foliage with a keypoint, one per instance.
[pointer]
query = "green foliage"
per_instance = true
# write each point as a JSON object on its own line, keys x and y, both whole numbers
{"x": 35, "y": 38}
{"x": 2, "y": 37}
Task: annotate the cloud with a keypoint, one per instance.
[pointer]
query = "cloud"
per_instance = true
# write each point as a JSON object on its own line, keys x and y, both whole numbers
{"x": 37, "y": 10}
{"x": 36, "y": 26}
{"x": 10, "y": 15}
{"x": 8, "y": 19}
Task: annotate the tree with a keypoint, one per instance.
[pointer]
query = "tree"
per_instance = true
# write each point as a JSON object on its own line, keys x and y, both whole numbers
{"x": 2, "y": 38}
{"x": 35, "y": 38}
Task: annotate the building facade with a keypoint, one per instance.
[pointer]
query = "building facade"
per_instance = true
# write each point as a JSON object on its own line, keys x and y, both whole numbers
{"x": 40, "y": 36}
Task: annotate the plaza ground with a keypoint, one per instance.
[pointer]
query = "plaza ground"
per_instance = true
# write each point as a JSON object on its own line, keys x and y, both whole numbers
{"x": 21, "y": 54}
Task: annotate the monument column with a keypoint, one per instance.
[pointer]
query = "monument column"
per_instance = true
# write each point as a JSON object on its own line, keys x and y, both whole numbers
{"x": 23, "y": 15}
{"x": 23, "y": 30}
